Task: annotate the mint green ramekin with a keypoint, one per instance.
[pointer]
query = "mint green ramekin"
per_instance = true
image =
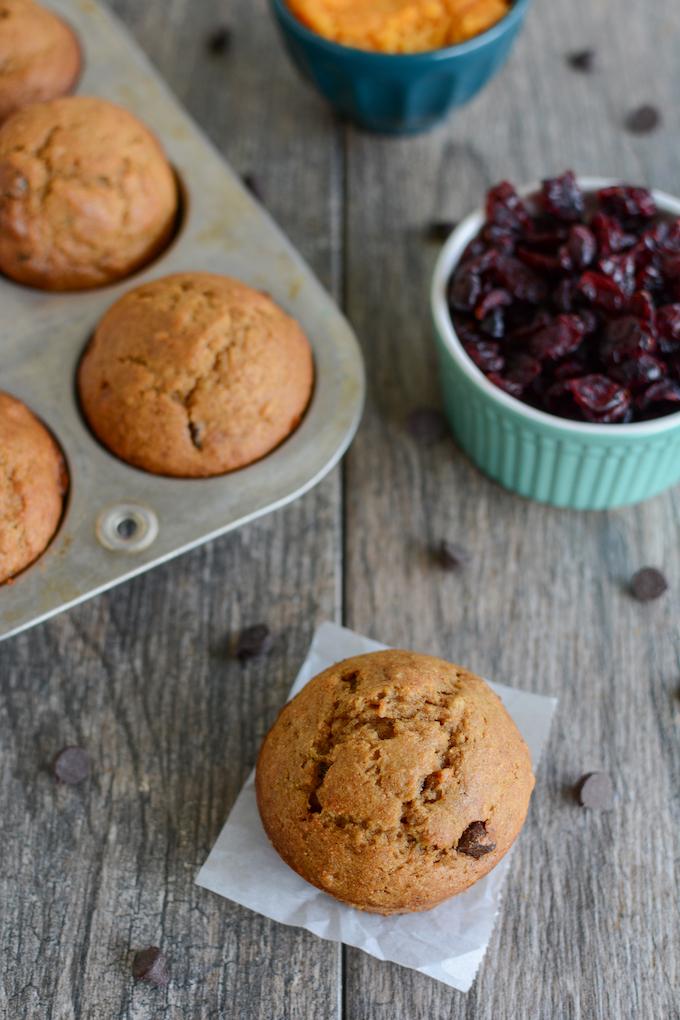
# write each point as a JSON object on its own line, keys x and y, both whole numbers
{"x": 538, "y": 455}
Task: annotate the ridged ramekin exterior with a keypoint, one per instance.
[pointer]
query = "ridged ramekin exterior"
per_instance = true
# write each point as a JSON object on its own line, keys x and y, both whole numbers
{"x": 394, "y": 93}
{"x": 541, "y": 456}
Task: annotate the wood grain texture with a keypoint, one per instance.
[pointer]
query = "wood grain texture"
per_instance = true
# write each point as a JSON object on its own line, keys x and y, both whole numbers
{"x": 589, "y": 926}
{"x": 142, "y": 676}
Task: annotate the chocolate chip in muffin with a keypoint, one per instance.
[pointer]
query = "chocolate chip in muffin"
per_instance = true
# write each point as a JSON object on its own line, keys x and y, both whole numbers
{"x": 219, "y": 41}
{"x": 152, "y": 966}
{"x": 253, "y": 641}
{"x": 581, "y": 60}
{"x": 596, "y": 791}
{"x": 648, "y": 584}
{"x": 427, "y": 425}
{"x": 71, "y": 765}
{"x": 642, "y": 119}
{"x": 475, "y": 841}
{"x": 452, "y": 555}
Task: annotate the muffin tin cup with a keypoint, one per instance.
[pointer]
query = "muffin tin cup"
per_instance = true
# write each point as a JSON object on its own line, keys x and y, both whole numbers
{"x": 120, "y": 521}
{"x": 538, "y": 455}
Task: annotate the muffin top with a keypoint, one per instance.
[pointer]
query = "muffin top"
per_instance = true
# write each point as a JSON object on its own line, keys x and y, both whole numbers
{"x": 32, "y": 485}
{"x": 393, "y": 781}
{"x": 86, "y": 194}
{"x": 39, "y": 55}
{"x": 195, "y": 374}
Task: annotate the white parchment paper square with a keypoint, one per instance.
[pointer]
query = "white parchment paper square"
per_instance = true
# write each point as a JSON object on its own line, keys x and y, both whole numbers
{"x": 446, "y": 943}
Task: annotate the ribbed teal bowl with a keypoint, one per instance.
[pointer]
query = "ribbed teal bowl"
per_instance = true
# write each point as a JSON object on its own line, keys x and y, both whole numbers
{"x": 398, "y": 93}
{"x": 538, "y": 455}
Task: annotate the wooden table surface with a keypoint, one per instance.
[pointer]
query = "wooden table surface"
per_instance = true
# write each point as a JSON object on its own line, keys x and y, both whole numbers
{"x": 142, "y": 676}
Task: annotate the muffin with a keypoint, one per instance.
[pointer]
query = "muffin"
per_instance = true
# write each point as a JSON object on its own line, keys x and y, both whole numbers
{"x": 86, "y": 194}
{"x": 39, "y": 56}
{"x": 194, "y": 375}
{"x": 33, "y": 483}
{"x": 393, "y": 781}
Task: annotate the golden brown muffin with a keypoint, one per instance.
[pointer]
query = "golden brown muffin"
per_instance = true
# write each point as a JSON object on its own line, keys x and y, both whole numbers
{"x": 33, "y": 482}
{"x": 40, "y": 56}
{"x": 393, "y": 781}
{"x": 86, "y": 194}
{"x": 195, "y": 374}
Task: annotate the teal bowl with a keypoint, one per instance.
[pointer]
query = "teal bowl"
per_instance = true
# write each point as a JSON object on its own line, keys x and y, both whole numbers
{"x": 394, "y": 93}
{"x": 538, "y": 455}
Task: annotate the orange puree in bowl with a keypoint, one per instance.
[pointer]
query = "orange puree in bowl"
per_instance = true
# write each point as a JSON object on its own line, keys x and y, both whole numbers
{"x": 399, "y": 26}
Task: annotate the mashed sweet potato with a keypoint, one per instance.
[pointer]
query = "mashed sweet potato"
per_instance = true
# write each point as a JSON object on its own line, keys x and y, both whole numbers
{"x": 399, "y": 26}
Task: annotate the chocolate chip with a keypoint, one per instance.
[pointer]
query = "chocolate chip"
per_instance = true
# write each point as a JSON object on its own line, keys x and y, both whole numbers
{"x": 596, "y": 791}
{"x": 253, "y": 185}
{"x": 439, "y": 230}
{"x": 427, "y": 425}
{"x": 648, "y": 584}
{"x": 643, "y": 119}
{"x": 151, "y": 965}
{"x": 452, "y": 555}
{"x": 219, "y": 40}
{"x": 253, "y": 641}
{"x": 475, "y": 841}
{"x": 581, "y": 60}
{"x": 71, "y": 765}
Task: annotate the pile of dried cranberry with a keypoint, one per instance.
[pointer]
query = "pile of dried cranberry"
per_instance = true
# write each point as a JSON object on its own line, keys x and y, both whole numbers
{"x": 572, "y": 302}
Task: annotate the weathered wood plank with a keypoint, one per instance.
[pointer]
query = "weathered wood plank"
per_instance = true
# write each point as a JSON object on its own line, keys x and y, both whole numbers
{"x": 143, "y": 679}
{"x": 589, "y": 924}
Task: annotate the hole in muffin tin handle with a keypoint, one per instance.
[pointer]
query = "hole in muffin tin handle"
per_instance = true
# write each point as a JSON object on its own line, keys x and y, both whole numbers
{"x": 127, "y": 528}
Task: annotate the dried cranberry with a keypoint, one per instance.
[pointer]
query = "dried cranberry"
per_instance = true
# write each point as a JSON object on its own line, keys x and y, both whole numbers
{"x": 548, "y": 265}
{"x": 627, "y": 202}
{"x": 596, "y": 397}
{"x": 660, "y": 398}
{"x": 609, "y": 234}
{"x": 562, "y": 198}
{"x": 639, "y": 371}
{"x": 668, "y": 328}
{"x": 465, "y": 288}
{"x": 505, "y": 208}
{"x": 565, "y": 294}
{"x": 558, "y": 339}
{"x": 601, "y": 291}
{"x": 493, "y": 324}
{"x": 522, "y": 283}
{"x": 581, "y": 246}
{"x": 620, "y": 269}
{"x": 486, "y": 355}
{"x": 642, "y": 306}
{"x": 520, "y": 372}
{"x": 626, "y": 338}
{"x": 495, "y": 298}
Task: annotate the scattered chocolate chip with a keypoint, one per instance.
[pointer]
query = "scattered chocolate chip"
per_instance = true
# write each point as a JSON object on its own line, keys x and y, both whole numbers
{"x": 475, "y": 841}
{"x": 253, "y": 185}
{"x": 253, "y": 641}
{"x": 581, "y": 60}
{"x": 648, "y": 584}
{"x": 151, "y": 965}
{"x": 643, "y": 119}
{"x": 452, "y": 555}
{"x": 71, "y": 765}
{"x": 427, "y": 425}
{"x": 439, "y": 230}
{"x": 219, "y": 41}
{"x": 596, "y": 791}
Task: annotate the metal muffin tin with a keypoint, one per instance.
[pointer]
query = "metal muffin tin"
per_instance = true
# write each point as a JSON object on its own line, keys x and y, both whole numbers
{"x": 120, "y": 521}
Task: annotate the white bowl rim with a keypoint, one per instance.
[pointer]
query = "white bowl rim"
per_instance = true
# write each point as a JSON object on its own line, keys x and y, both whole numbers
{"x": 448, "y": 259}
